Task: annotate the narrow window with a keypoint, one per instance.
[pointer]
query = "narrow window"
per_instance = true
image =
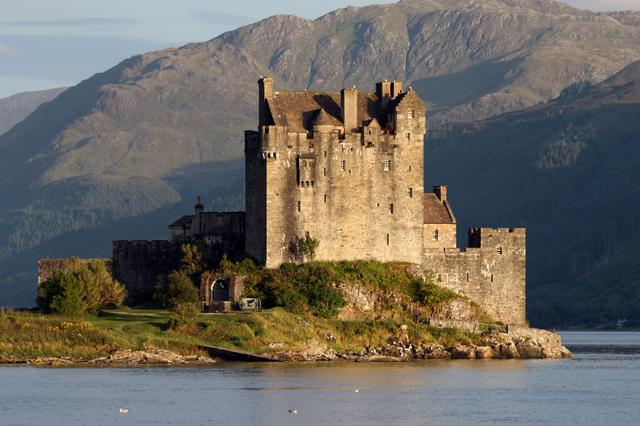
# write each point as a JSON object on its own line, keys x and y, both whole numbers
{"x": 491, "y": 277}
{"x": 325, "y": 171}
{"x": 325, "y": 198}
{"x": 410, "y": 192}
{"x": 386, "y": 165}
{"x": 344, "y": 165}
{"x": 412, "y": 113}
{"x": 325, "y": 154}
{"x": 409, "y": 168}
{"x": 378, "y": 204}
{"x": 388, "y": 239}
{"x": 391, "y": 208}
{"x": 499, "y": 249}
{"x": 436, "y": 235}
{"x": 299, "y": 206}
{"x": 407, "y": 136}
{"x": 467, "y": 277}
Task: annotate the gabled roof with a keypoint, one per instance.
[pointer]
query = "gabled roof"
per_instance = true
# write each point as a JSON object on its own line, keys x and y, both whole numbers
{"x": 182, "y": 222}
{"x": 436, "y": 211}
{"x": 298, "y": 111}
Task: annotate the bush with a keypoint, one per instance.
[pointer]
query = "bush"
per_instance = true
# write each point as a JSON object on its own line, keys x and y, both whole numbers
{"x": 184, "y": 314}
{"x": 80, "y": 289}
{"x": 430, "y": 294}
{"x": 180, "y": 289}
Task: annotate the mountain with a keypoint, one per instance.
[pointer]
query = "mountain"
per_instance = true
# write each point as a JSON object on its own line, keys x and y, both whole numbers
{"x": 147, "y": 135}
{"x": 14, "y": 109}
{"x": 568, "y": 171}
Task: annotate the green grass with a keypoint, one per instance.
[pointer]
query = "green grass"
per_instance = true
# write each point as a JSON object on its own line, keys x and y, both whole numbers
{"x": 30, "y": 335}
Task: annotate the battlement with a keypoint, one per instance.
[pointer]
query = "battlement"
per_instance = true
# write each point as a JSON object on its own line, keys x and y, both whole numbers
{"x": 495, "y": 238}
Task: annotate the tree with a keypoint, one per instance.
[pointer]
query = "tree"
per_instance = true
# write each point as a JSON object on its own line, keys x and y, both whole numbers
{"x": 309, "y": 246}
{"x": 180, "y": 289}
{"x": 80, "y": 288}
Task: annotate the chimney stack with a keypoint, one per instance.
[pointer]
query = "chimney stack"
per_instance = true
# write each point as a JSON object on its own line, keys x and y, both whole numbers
{"x": 396, "y": 89}
{"x": 383, "y": 89}
{"x": 349, "y": 105}
{"x": 441, "y": 192}
{"x": 265, "y": 86}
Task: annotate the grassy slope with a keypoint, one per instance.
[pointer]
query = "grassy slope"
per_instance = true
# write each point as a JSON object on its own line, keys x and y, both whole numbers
{"x": 28, "y": 335}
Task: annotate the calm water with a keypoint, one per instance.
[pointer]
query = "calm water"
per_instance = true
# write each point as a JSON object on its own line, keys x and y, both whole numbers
{"x": 601, "y": 386}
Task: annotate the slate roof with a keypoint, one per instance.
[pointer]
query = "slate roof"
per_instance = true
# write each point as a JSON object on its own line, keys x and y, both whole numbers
{"x": 182, "y": 222}
{"x": 299, "y": 110}
{"x": 436, "y": 211}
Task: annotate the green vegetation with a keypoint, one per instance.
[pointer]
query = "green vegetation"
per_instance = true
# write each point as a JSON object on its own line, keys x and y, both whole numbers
{"x": 79, "y": 289}
{"x": 28, "y": 335}
{"x": 310, "y": 287}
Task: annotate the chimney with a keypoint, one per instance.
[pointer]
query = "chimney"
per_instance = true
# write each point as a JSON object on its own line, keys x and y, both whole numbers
{"x": 396, "y": 89}
{"x": 265, "y": 89}
{"x": 196, "y": 228}
{"x": 383, "y": 89}
{"x": 349, "y": 104}
{"x": 441, "y": 192}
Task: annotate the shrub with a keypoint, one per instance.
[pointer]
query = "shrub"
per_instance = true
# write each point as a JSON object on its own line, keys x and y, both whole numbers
{"x": 184, "y": 314}
{"x": 80, "y": 289}
{"x": 180, "y": 289}
{"x": 430, "y": 294}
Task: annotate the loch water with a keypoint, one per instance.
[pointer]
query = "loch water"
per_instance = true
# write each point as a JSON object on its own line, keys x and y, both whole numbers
{"x": 600, "y": 386}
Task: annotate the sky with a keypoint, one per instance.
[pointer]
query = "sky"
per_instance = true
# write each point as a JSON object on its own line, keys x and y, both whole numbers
{"x": 46, "y": 44}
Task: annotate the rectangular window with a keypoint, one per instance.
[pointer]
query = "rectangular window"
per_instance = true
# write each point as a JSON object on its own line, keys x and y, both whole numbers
{"x": 391, "y": 208}
{"x": 436, "y": 235}
{"x": 325, "y": 154}
{"x": 410, "y": 192}
{"x": 344, "y": 165}
{"x": 412, "y": 113}
{"x": 325, "y": 198}
{"x": 388, "y": 239}
{"x": 499, "y": 249}
{"x": 386, "y": 165}
{"x": 407, "y": 136}
{"x": 467, "y": 277}
{"x": 299, "y": 206}
{"x": 325, "y": 171}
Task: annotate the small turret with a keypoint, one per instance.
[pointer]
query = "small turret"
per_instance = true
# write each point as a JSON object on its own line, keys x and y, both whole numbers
{"x": 197, "y": 218}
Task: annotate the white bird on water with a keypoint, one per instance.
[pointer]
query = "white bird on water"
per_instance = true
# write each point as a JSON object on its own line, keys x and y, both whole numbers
{"x": 293, "y": 410}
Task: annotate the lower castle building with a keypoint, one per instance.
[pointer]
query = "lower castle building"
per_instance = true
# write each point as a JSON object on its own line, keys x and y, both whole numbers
{"x": 346, "y": 169}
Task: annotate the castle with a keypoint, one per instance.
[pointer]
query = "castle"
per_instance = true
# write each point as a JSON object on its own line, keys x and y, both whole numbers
{"x": 346, "y": 169}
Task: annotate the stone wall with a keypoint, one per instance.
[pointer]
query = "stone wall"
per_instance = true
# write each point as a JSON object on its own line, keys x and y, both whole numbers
{"x": 46, "y": 267}
{"x": 491, "y": 271}
{"x": 358, "y": 193}
{"x": 138, "y": 264}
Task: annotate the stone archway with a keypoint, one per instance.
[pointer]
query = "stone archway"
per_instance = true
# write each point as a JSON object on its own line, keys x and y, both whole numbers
{"x": 220, "y": 291}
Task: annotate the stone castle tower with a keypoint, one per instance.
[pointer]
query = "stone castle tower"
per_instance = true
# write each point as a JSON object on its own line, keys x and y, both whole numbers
{"x": 345, "y": 168}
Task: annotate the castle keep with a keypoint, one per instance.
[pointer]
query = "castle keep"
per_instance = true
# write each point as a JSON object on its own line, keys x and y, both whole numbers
{"x": 346, "y": 169}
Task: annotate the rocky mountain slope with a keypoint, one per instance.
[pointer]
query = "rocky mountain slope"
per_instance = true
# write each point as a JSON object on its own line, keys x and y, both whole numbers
{"x": 567, "y": 170}
{"x": 139, "y": 140}
{"x": 14, "y": 109}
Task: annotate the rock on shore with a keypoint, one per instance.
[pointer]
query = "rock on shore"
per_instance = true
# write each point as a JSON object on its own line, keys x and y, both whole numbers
{"x": 518, "y": 343}
{"x": 128, "y": 357}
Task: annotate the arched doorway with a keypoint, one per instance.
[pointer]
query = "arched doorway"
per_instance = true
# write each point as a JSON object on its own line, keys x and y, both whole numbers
{"x": 220, "y": 291}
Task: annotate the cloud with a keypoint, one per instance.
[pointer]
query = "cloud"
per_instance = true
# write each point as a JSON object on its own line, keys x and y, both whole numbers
{"x": 5, "y": 49}
{"x": 81, "y": 22}
{"x": 606, "y": 5}
{"x": 225, "y": 19}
